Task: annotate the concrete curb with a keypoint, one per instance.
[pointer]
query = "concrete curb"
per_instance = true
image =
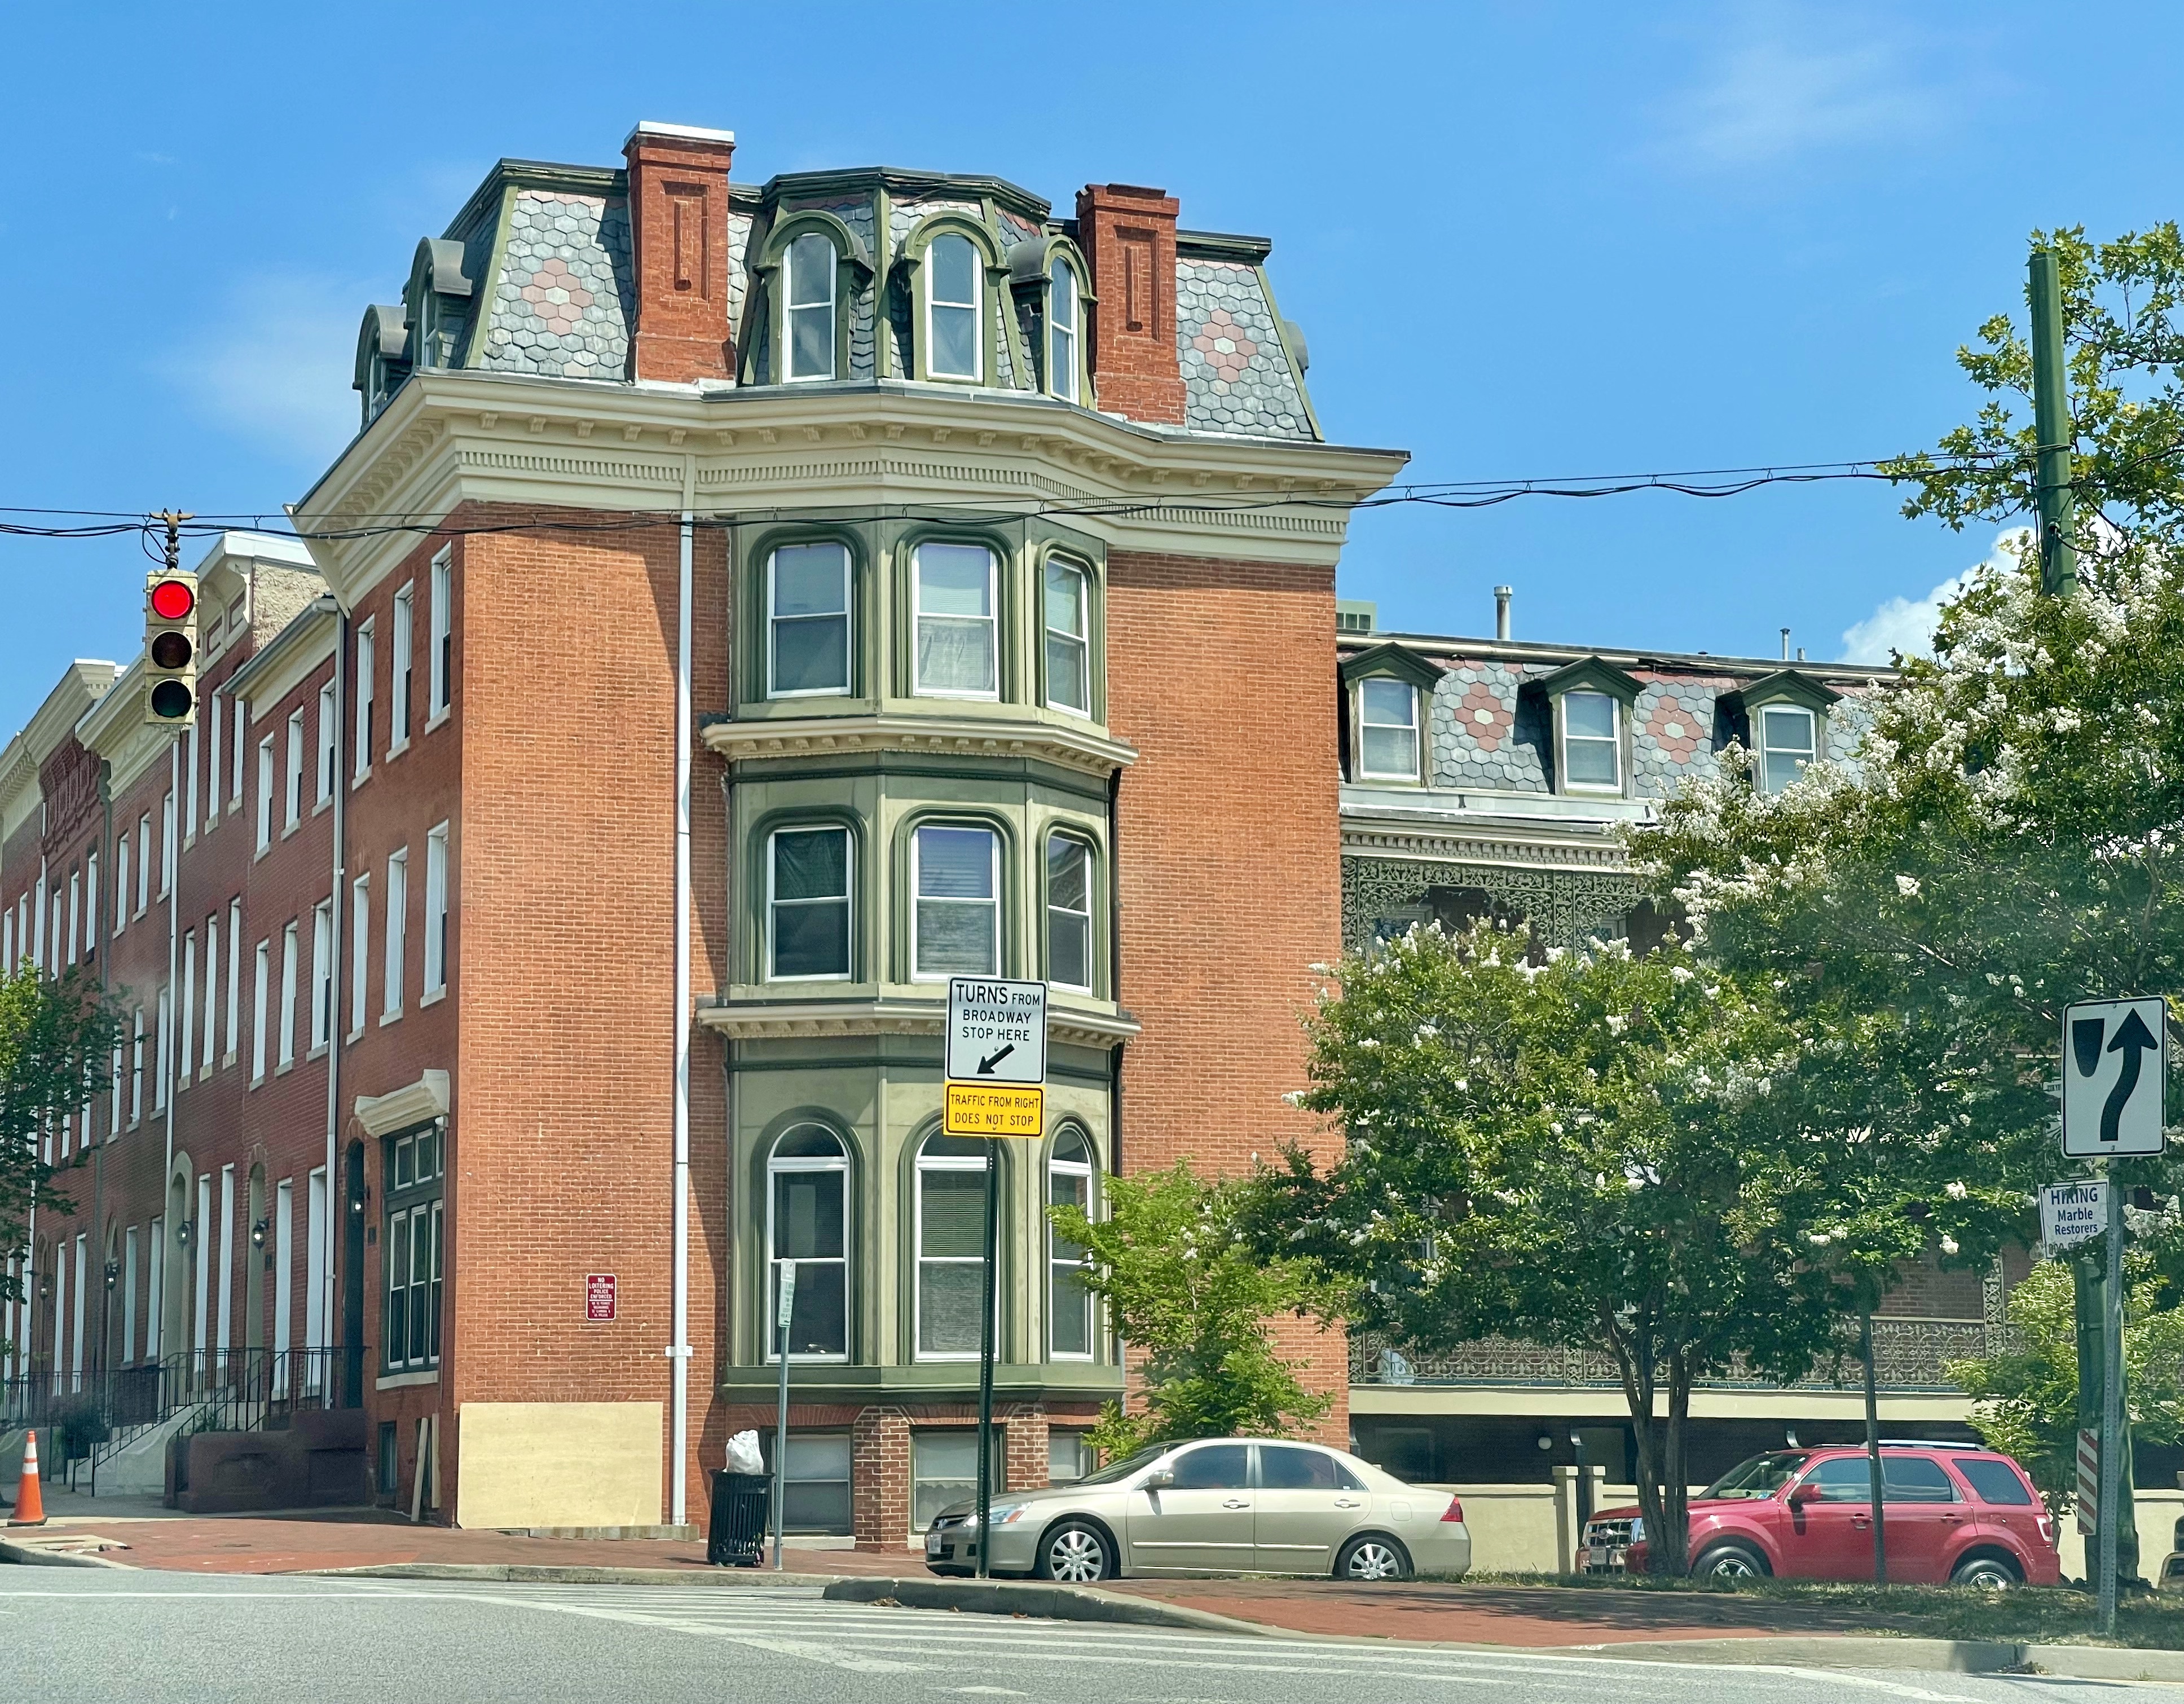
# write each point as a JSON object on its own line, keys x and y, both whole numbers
{"x": 537, "y": 1573}
{"x": 1051, "y": 1602}
{"x": 37, "y": 1556}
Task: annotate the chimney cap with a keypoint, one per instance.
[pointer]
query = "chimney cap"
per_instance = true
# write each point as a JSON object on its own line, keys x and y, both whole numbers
{"x": 655, "y": 127}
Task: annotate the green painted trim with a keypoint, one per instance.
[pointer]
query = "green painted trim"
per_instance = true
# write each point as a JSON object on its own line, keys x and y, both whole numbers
{"x": 1281, "y": 336}
{"x": 884, "y": 263}
{"x": 1789, "y": 685}
{"x": 1390, "y": 660}
{"x": 832, "y": 1382}
{"x": 1020, "y": 771}
{"x": 1223, "y": 245}
{"x": 1593, "y": 673}
{"x": 877, "y": 1061}
{"x": 853, "y": 276}
{"x": 496, "y": 264}
{"x": 609, "y": 181}
{"x": 911, "y": 266}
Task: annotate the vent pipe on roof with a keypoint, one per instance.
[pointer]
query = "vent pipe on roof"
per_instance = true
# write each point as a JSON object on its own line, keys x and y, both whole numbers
{"x": 1801, "y": 654}
{"x": 1786, "y": 644}
{"x": 1501, "y": 612}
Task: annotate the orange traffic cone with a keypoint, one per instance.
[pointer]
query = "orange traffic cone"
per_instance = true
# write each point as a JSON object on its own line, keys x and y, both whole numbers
{"x": 29, "y": 1502}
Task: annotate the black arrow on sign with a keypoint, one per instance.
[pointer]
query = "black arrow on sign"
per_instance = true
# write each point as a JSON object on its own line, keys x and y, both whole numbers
{"x": 986, "y": 1066}
{"x": 2132, "y": 1039}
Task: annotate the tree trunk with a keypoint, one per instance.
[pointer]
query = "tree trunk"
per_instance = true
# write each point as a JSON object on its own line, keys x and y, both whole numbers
{"x": 1664, "y": 1531}
{"x": 1671, "y": 1552}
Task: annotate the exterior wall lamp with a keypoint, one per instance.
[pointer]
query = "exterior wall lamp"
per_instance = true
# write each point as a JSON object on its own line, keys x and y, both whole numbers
{"x": 185, "y": 1233}
{"x": 258, "y": 1233}
{"x": 113, "y": 1273}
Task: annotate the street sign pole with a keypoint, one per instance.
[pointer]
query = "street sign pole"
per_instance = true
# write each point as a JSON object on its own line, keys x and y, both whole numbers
{"x": 2111, "y": 1515}
{"x": 787, "y": 1306}
{"x": 986, "y": 1300}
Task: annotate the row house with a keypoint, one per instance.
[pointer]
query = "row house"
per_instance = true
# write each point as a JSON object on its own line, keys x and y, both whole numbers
{"x": 742, "y": 607}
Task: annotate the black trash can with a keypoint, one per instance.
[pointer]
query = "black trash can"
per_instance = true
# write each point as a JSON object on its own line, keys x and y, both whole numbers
{"x": 741, "y": 1504}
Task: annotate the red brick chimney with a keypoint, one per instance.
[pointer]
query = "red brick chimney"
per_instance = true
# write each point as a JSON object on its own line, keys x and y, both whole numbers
{"x": 678, "y": 223}
{"x": 1128, "y": 236}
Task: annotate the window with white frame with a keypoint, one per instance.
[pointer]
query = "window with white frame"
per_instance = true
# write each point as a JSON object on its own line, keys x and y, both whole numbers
{"x": 211, "y": 996}
{"x": 1592, "y": 743}
{"x": 359, "y": 947}
{"x": 808, "y": 604}
{"x": 1788, "y": 739}
{"x": 954, "y": 598}
{"x": 90, "y": 905}
{"x": 239, "y": 714}
{"x": 294, "y": 813}
{"x": 1061, "y": 326}
{"x": 807, "y": 1224}
{"x": 289, "y": 970}
{"x": 436, "y": 909}
{"x": 234, "y": 979}
{"x": 261, "y": 995}
{"x": 399, "y": 682}
{"x": 951, "y": 1245}
{"x": 1069, "y": 1335}
{"x": 1068, "y": 654}
{"x": 414, "y": 1240}
{"x": 327, "y": 731}
{"x": 265, "y": 792}
{"x": 190, "y": 782}
{"x": 1068, "y": 912}
{"x": 808, "y": 904}
{"x": 809, "y": 344}
{"x": 443, "y": 657}
{"x": 114, "y": 1076}
{"x": 944, "y": 1469}
{"x": 75, "y": 912}
{"x": 143, "y": 862}
{"x": 212, "y": 761}
{"x": 954, "y": 301}
{"x": 364, "y": 660}
{"x": 136, "y": 1065}
{"x": 322, "y": 973}
{"x": 1388, "y": 730}
{"x": 956, "y": 876}
{"x": 168, "y": 850}
{"x": 122, "y": 881}
{"x": 397, "y": 923}
{"x": 161, "y": 1061}
{"x": 189, "y": 1000}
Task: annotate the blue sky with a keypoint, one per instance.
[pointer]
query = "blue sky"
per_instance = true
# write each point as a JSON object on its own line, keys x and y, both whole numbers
{"x": 1522, "y": 239}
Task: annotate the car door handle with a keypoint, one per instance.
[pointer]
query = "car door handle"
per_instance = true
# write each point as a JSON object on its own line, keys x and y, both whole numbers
{"x": 1861, "y": 1521}
{"x": 1348, "y": 1503}
{"x": 1237, "y": 1503}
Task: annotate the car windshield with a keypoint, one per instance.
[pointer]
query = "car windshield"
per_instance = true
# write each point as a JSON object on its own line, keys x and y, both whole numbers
{"x": 1124, "y": 1468}
{"x": 1760, "y": 1477}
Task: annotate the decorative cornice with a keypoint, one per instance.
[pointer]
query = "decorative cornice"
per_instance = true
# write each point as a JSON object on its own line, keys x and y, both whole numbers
{"x": 413, "y": 1103}
{"x": 799, "y": 1020}
{"x": 1077, "y": 748}
{"x": 81, "y": 687}
{"x": 1457, "y": 846}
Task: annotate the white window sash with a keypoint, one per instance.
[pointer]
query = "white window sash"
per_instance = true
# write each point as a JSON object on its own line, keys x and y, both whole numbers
{"x": 846, "y": 900}
{"x": 211, "y": 996}
{"x": 397, "y": 923}
{"x": 288, "y": 968}
{"x": 919, "y": 899}
{"x": 329, "y": 727}
{"x": 234, "y": 977}
{"x": 261, "y": 995}
{"x": 295, "y": 802}
{"x": 365, "y": 662}
{"x": 838, "y": 1165}
{"x": 443, "y": 627}
{"x": 436, "y": 909}
{"x": 925, "y": 1168}
{"x": 991, "y": 621}
{"x": 399, "y": 683}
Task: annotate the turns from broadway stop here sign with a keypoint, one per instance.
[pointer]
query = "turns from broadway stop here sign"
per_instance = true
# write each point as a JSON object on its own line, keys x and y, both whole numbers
{"x": 996, "y": 1058}
{"x": 2115, "y": 1074}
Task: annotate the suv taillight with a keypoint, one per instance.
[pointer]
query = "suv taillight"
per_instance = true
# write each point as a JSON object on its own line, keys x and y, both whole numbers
{"x": 1455, "y": 1510}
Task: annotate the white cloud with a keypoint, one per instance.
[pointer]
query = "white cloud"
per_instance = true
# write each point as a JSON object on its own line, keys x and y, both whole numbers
{"x": 279, "y": 367}
{"x": 1788, "y": 82}
{"x": 1907, "y": 624}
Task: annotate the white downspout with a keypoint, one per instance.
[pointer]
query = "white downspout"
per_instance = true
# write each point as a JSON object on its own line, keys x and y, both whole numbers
{"x": 678, "y": 1351}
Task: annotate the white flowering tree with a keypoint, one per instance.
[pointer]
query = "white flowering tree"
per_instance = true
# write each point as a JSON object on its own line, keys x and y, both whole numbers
{"x": 1600, "y": 1152}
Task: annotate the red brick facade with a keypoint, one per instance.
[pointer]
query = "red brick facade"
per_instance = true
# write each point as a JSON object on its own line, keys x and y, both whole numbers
{"x": 1128, "y": 235}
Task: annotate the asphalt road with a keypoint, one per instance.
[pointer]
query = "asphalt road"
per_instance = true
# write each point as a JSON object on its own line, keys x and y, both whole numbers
{"x": 70, "y": 1636}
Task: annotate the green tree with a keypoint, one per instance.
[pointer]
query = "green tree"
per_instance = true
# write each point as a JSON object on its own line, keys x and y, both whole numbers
{"x": 1185, "y": 1289}
{"x": 1602, "y": 1151}
{"x": 57, "y": 1038}
{"x": 2024, "y": 1400}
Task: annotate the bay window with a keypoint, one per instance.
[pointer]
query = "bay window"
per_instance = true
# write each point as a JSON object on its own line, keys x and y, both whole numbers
{"x": 1068, "y": 1303}
{"x": 951, "y": 1245}
{"x": 808, "y": 348}
{"x": 807, "y": 1217}
{"x": 955, "y": 599}
{"x": 1068, "y": 912}
{"x": 808, "y": 904}
{"x": 954, "y": 301}
{"x": 1062, "y": 318}
{"x": 955, "y": 874}
{"x": 808, "y": 599}
{"x": 1068, "y": 655}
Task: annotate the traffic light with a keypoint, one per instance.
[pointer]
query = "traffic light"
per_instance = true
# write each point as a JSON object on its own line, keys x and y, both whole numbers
{"x": 170, "y": 648}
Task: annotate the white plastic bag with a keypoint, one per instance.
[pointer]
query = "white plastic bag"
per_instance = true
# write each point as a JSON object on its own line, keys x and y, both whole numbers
{"x": 743, "y": 1454}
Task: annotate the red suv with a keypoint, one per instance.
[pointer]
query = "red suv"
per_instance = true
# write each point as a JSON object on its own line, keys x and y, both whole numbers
{"x": 1954, "y": 1512}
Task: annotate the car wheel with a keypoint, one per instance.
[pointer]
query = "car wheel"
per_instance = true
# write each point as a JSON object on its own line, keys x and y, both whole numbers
{"x": 1988, "y": 1573}
{"x": 1370, "y": 1557}
{"x": 1731, "y": 1561}
{"x": 1075, "y": 1553}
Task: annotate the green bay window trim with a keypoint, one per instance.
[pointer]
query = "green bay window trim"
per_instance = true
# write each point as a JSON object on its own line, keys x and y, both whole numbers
{"x": 809, "y": 589}
{"x": 950, "y": 1229}
{"x": 956, "y": 884}
{"x": 1049, "y": 274}
{"x": 1070, "y": 1332}
{"x": 807, "y": 1207}
{"x": 956, "y": 599}
{"x": 414, "y": 1239}
{"x": 809, "y": 875}
{"x": 957, "y": 280}
{"x": 1064, "y": 319}
{"x": 1069, "y": 913}
{"x": 1067, "y": 615}
{"x": 811, "y": 269}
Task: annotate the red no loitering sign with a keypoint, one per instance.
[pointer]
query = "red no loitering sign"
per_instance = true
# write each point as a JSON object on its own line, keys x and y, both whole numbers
{"x": 598, "y": 1295}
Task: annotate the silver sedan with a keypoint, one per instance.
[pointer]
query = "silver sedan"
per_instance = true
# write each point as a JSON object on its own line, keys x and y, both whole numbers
{"x": 1214, "y": 1507}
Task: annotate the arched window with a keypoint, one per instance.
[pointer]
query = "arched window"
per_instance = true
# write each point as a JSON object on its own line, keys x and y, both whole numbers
{"x": 956, "y": 876}
{"x": 808, "y": 618}
{"x": 1061, "y": 306}
{"x": 951, "y": 1236}
{"x": 1069, "y": 1335}
{"x": 808, "y": 347}
{"x": 807, "y": 1219}
{"x": 954, "y": 301}
{"x": 1068, "y": 912}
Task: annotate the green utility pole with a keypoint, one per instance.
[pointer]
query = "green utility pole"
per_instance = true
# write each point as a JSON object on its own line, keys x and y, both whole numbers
{"x": 2052, "y": 425}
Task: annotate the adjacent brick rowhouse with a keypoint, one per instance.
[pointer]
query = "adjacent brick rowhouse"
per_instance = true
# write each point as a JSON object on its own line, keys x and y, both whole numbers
{"x": 1229, "y": 867}
{"x": 678, "y": 194}
{"x": 1128, "y": 236}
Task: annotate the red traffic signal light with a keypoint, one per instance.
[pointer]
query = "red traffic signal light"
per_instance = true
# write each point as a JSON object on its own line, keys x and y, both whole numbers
{"x": 172, "y": 600}
{"x": 170, "y": 648}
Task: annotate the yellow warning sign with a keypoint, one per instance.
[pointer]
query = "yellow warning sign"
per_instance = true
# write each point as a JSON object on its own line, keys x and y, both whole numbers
{"x": 994, "y": 1109}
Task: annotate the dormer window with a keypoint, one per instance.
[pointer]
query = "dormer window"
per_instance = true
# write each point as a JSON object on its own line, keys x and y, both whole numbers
{"x": 953, "y": 308}
{"x": 1592, "y": 744}
{"x": 1388, "y": 724}
{"x": 1787, "y": 744}
{"x": 811, "y": 309}
{"x": 1062, "y": 326}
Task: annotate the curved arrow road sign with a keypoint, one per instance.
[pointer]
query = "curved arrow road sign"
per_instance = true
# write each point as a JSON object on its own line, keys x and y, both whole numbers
{"x": 2115, "y": 1074}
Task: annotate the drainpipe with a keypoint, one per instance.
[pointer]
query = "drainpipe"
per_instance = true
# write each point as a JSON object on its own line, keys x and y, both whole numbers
{"x": 338, "y": 1217}
{"x": 678, "y": 1351}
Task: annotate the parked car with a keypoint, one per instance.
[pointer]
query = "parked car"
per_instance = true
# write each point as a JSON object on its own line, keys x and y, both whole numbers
{"x": 1218, "y": 1505}
{"x": 1954, "y": 1513}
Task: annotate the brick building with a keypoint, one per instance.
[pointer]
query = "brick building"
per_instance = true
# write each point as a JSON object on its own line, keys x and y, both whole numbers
{"x": 740, "y": 608}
